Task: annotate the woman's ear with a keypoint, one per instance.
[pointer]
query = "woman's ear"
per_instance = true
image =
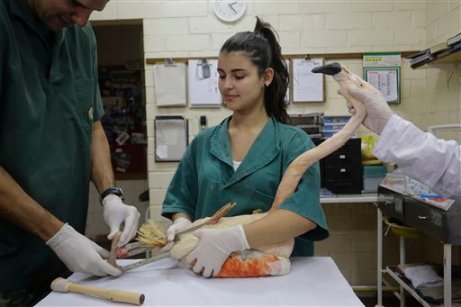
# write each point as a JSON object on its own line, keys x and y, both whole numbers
{"x": 268, "y": 76}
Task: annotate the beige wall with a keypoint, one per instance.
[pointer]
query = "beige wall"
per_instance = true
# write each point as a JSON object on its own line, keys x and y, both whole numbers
{"x": 430, "y": 95}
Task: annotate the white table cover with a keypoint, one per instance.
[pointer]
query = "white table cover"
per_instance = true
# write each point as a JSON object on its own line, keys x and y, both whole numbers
{"x": 313, "y": 281}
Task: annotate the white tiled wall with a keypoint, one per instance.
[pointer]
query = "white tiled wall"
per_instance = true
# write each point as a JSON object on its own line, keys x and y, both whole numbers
{"x": 429, "y": 95}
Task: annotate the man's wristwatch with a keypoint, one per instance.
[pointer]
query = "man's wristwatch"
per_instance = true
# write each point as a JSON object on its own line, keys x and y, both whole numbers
{"x": 112, "y": 190}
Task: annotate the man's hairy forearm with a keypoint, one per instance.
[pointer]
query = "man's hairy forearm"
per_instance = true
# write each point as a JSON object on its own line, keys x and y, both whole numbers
{"x": 17, "y": 207}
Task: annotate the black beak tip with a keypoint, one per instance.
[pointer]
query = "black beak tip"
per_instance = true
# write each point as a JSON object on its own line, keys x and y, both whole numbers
{"x": 329, "y": 69}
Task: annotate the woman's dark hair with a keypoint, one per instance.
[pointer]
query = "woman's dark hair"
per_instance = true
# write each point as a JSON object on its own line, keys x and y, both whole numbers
{"x": 264, "y": 51}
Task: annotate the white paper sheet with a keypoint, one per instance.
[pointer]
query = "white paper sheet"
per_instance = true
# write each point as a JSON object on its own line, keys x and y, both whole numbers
{"x": 170, "y": 138}
{"x": 307, "y": 86}
{"x": 170, "y": 84}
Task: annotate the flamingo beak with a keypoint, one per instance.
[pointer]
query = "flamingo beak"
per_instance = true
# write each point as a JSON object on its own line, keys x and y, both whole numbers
{"x": 329, "y": 69}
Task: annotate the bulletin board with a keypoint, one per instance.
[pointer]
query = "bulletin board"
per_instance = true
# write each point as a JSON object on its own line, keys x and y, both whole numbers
{"x": 382, "y": 70}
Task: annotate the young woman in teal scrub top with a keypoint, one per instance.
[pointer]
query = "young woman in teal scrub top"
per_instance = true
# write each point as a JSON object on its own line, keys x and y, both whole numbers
{"x": 243, "y": 159}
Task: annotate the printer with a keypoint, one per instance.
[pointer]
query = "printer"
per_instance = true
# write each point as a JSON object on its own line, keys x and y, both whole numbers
{"x": 341, "y": 171}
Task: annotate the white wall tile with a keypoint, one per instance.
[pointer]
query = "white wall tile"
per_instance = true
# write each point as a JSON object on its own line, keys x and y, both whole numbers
{"x": 371, "y": 37}
{"x": 370, "y": 6}
{"x": 315, "y": 7}
{"x": 184, "y": 8}
{"x": 135, "y": 9}
{"x": 348, "y": 21}
{"x": 390, "y": 20}
{"x": 323, "y": 39}
{"x": 187, "y": 42}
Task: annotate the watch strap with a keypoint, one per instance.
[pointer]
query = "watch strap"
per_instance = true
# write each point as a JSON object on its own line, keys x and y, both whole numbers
{"x": 112, "y": 190}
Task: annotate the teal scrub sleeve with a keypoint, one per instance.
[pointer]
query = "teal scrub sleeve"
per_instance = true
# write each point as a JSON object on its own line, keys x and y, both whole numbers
{"x": 181, "y": 195}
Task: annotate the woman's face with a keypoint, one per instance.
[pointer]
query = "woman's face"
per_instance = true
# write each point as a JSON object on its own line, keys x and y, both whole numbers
{"x": 58, "y": 14}
{"x": 240, "y": 84}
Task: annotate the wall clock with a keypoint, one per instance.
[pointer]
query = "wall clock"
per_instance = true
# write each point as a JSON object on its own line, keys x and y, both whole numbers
{"x": 229, "y": 10}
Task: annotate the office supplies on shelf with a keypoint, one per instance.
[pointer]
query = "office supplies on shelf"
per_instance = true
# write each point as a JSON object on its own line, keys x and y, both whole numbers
{"x": 449, "y": 51}
{"x": 439, "y": 48}
{"x": 454, "y": 39}
{"x": 440, "y": 53}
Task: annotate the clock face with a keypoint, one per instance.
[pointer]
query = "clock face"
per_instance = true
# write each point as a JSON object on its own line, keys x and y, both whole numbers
{"x": 229, "y": 10}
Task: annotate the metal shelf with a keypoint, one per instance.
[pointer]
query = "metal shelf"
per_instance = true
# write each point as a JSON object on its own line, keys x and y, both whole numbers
{"x": 452, "y": 58}
{"x": 409, "y": 288}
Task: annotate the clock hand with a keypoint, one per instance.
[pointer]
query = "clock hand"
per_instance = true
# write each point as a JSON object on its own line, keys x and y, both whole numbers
{"x": 231, "y": 6}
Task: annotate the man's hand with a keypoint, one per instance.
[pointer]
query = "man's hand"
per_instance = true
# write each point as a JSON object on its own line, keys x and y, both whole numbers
{"x": 117, "y": 213}
{"x": 214, "y": 247}
{"x": 80, "y": 254}
{"x": 378, "y": 111}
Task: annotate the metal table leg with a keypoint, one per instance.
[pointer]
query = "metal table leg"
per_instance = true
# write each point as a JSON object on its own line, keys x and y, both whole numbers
{"x": 447, "y": 275}
{"x": 380, "y": 256}
{"x": 402, "y": 261}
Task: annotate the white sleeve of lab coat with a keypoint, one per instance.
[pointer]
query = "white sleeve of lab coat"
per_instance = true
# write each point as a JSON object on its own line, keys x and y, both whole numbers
{"x": 420, "y": 155}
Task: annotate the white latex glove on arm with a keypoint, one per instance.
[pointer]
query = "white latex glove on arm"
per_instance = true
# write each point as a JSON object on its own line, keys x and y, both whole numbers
{"x": 179, "y": 224}
{"x": 378, "y": 111}
{"x": 117, "y": 213}
{"x": 80, "y": 254}
{"x": 214, "y": 247}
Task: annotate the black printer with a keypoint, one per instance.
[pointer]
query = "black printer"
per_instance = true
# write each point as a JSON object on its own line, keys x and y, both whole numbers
{"x": 341, "y": 171}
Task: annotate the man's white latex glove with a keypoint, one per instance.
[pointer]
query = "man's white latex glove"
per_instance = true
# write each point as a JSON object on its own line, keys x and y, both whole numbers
{"x": 179, "y": 224}
{"x": 214, "y": 247}
{"x": 117, "y": 213}
{"x": 80, "y": 254}
{"x": 378, "y": 111}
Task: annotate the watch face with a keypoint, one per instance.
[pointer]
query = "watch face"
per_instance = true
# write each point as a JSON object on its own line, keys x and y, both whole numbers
{"x": 229, "y": 10}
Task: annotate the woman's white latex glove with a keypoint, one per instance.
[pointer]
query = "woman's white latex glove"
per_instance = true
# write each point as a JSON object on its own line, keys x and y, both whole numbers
{"x": 179, "y": 224}
{"x": 378, "y": 111}
{"x": 215, "y": 245}
{"x": 80, "y": 254}
{"x": 117, "y": 213}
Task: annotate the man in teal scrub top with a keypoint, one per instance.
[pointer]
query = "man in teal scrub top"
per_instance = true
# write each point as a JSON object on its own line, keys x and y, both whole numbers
{"x": 52, "y": 144}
